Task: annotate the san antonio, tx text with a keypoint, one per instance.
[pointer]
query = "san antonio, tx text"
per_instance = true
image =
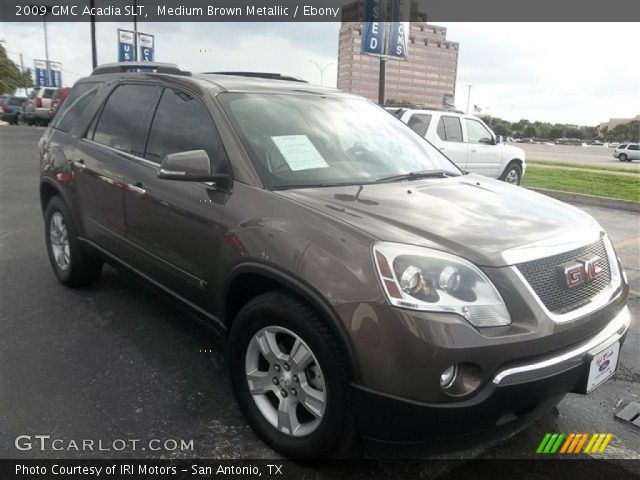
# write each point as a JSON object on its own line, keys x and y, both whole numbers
{"x": 141, "y": 469}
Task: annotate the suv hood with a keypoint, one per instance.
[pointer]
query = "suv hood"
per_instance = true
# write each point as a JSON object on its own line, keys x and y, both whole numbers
{"x": 478, "y": 218}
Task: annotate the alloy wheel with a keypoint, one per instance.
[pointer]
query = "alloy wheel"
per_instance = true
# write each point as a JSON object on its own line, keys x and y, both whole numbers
{"x": 59, "y": 240}
{"x": 285, "y": 381}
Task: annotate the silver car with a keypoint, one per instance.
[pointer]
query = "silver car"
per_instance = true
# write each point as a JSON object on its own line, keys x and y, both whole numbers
{"x": 627, "y": 152}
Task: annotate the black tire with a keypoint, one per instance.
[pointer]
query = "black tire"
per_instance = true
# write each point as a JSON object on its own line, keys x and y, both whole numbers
{"x": 623, "y": 157}
{"x": 84, "y": 267}
{"x": 336, "y": 431}
{"x": 512, "y": 174}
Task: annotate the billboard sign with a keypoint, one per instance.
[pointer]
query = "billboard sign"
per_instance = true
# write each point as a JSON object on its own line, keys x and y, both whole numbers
{"x": 146, "y": 44}
{"x": 373, "y": 29}
{"x": 41, "y": 73}
{"x": 126, "y": 46}
{"x": 55, "y": 74}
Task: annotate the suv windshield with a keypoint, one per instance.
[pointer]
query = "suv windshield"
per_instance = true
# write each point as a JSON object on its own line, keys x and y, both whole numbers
{"x": 297, "y": 140}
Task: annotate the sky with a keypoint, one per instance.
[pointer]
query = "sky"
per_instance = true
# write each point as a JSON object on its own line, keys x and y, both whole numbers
{"x": 577, "y": 73}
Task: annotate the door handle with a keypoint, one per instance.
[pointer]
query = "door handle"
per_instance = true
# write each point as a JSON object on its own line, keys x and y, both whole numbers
{"x": 137, "y": 188}
{"x": 474, "y": 150}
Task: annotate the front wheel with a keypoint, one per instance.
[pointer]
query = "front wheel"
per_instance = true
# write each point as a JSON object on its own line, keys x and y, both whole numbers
{"x": 512, "y": 174}
{"x": 622, "y": 157}
{"x": 72, "y": 263}
{"x": 290, "y": 377}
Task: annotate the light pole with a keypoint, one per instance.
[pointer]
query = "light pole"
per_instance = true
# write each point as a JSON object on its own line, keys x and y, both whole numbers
{"x": 469, "y": 98}
{"x": 321, "y": 69}
{"x": 46, "y": 49}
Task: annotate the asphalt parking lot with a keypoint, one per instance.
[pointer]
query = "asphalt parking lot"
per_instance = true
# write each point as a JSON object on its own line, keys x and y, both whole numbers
{"x": 116, "y": 361}
{"x": 591, "y": 155}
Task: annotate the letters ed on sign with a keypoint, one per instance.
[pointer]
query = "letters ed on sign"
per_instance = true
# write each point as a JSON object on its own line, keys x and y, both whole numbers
{"x": 381, "y": 38}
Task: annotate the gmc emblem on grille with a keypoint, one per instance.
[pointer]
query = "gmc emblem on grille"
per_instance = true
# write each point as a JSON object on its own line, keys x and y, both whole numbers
{"x": 582, "y": 271}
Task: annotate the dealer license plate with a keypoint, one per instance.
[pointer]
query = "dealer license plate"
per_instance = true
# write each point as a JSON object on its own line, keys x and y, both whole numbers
{"x": 603, "y": 365}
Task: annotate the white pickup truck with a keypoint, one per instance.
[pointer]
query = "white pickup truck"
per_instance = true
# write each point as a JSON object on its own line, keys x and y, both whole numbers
{"x": 467, "y": 141}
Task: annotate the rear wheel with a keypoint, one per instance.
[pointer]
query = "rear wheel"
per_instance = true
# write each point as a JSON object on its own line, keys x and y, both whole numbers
{"x": 73, "y": 264}
{"x": 290, "y": 378}
{"x": 623, "y": 157}
{"x": 512, "y": 174}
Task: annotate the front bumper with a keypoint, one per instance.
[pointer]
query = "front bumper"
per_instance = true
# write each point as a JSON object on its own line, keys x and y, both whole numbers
{"x": 514, "y": 392}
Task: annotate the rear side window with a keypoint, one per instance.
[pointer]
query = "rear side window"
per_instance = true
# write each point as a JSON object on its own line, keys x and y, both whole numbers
{"x": 34, "y": 93}
{"x": 449, "y": 129}
{"x": 123, "y": 116}
{"x": 72, "y": 107}
{"x": 633, "y": 147}
{"x": 48, "y": 93}
{"x": 419, "y": 122}
{"x": 622, "y": 147}
{"x": 180, "y": 124}
{"x": 16, "y": 101}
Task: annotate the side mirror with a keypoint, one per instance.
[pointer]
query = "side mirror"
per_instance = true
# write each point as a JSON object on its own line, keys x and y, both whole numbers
{"x": 190, "y": 166}
{"x": 499, "y": 139}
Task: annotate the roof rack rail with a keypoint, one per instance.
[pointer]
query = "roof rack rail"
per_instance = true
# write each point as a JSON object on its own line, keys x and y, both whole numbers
{"x": 155, "y": 67}
{"x": 270, "y": 76}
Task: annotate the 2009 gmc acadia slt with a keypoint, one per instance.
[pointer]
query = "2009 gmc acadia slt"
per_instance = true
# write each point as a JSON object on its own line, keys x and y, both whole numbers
{"x": 367, "y": 285}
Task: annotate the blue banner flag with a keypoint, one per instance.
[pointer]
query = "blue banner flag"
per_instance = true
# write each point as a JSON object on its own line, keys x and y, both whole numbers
{"x": 126, "y": 46}
{"x": 41, "y": 73}
{"x": 55, "y": 74}
{"x": 373, "y": 29}
{"x": 399, "y": 35}
{"x": 146, "y": 44}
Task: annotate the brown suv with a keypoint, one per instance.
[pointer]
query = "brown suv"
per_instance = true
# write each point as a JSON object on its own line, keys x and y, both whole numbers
{"x": 367, "y": 285}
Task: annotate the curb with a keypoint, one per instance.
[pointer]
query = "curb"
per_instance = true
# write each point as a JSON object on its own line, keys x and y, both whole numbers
{"x": 590, "y": 199}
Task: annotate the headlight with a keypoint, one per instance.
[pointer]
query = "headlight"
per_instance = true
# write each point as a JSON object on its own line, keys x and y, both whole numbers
{"x": 423, "y": 279}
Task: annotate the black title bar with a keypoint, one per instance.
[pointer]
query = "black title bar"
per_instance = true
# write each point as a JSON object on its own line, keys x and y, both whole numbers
{"x": 314, "y": 10}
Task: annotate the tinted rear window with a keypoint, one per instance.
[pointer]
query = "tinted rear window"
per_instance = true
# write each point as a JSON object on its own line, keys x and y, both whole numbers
{"x": 121, "y": 121}
{"x": 75, "y": 104}
{"x": 16, "y": 101}
{"x": 48, "y": 93}
{"x": 633, "y": 147}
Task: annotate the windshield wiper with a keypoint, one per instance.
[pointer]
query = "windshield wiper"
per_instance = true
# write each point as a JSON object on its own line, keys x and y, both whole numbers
{"x": 418, "y": 175}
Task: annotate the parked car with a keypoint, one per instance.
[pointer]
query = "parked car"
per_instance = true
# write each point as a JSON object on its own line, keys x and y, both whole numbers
{"x": 469, "y": 143}
{"x": 10, "y": 108}
{"x": 366, "y": 285}
{"x": 56, "y": 100}
{"x": 38, "y": 106}
{"x": 627, "y": 152}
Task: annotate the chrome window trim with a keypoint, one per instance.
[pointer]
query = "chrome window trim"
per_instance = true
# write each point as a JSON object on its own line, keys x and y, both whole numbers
{"x": 597, "y": 301}
{"x": 121, "y": 152}
{"x": 614, "y": 330}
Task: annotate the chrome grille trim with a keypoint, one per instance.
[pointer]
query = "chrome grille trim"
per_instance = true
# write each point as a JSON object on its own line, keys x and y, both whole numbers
{"x": 546, "y": 279}
{"x": 596, "y": 302}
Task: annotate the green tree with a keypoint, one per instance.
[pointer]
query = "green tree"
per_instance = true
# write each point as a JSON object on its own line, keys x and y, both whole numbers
{"x": 530, "y": 131}
{"x": 10, "y": 77}
{"x": 573, "y": 133}
{"x": 556, "y": 132}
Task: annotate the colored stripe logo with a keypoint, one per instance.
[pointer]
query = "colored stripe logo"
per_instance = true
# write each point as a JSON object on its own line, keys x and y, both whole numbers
{"x": 574, "y": 443}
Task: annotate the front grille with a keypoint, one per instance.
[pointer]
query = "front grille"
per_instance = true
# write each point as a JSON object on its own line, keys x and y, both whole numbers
{"x": 547, "y": 279}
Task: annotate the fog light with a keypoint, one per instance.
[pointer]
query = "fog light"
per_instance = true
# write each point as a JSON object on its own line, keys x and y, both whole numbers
{"x": 448, "y": 377}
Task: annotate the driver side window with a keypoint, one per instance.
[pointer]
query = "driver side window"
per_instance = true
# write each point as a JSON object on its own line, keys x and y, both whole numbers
{"x": 477, "y": 132}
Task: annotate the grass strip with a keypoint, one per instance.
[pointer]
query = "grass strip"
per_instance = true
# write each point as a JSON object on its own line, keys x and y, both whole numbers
{"x": 601, "y": 184}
